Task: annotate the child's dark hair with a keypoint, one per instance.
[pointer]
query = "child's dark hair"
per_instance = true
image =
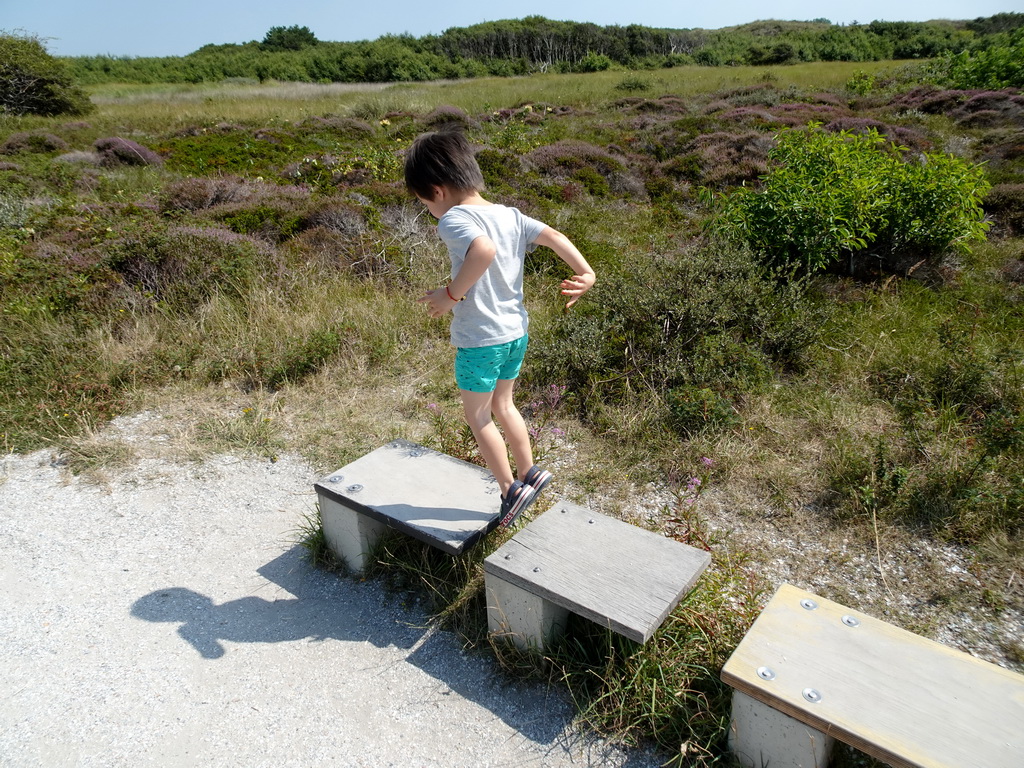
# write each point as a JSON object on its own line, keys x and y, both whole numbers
{"x": 441, "y": 158}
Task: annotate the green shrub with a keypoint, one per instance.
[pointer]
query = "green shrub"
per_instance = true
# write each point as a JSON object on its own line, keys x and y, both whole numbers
{"x": 593, "y": 62}
{"x": 830, "y": 195}
{"x": 632, "y": 84}
{"x": 999, "y": 66}
{"x": 34, "y": 82}
{"x": 711, "y": 319}
{"x": 694, "y": 410}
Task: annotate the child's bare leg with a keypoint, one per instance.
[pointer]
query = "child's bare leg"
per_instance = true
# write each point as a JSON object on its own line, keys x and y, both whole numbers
{"x": 511, "y": 420}
{"x": 477, "y": 407}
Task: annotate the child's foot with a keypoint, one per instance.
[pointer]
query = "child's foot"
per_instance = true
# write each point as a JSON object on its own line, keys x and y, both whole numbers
{"x": 518, "y": 498}
{"x": 538, "y": 478}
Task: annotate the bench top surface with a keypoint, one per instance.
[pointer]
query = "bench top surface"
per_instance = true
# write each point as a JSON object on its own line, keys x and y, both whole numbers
{"x": 902, "y": 698}
{"x": 603, "y": 569}
{"x": 433, "y": 497}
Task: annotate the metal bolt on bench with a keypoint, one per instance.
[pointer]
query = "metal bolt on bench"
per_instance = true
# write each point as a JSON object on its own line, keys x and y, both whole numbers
{"x": 810, "y": 671}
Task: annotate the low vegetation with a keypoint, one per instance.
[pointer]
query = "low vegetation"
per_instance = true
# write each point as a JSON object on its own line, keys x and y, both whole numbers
{"x": 257, "y": 253}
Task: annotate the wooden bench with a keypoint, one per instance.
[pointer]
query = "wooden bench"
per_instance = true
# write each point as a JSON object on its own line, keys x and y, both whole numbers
{"x": 573, "y": 560}
{"x": 810, "y": 671}
{"x": 435, "y": 498}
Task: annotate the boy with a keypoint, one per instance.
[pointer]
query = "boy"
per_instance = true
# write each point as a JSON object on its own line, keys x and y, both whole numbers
{"x": 487, "y": 244}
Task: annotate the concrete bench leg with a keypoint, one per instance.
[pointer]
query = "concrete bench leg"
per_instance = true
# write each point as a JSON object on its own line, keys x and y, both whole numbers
{"x": 761, "y": 736}
{"x": 350, "y": 535}
{"x": 530, "y": 621}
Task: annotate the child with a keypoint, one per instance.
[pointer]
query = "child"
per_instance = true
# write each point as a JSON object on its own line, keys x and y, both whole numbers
{"x": 487, "y": 244}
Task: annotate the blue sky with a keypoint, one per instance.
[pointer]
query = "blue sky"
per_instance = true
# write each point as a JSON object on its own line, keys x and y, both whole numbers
{"x": 141, "y": 28}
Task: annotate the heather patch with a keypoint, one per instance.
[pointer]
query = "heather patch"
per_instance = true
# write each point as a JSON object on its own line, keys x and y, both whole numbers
{"x": 663, "y": 105}
{"x": 322, "y": 247}
{"x": 761, "y": 94}
{"x": 906, "y": 137}
{"x": 447, "y": 115}
{"x": 801, "y": 113}
{"x": 722, "y": 159}
{"x": 337, "y": 216}
{"x": 1005, "y": 204}
{"x": 196, "y": 194}
{"x": 578, "y": 166}
{"x": 572, "y": 155}
{"x": 751, "y": 117}
{"x": 115, "y": 151}
{"x": 32, "y": 141}
{"x": 182, "y": 266}
{"x": 990, "y": 108}
{"x": 342, "y": 127}
{"x": 1003, "y": 151}
{"x": 931, "y": 100}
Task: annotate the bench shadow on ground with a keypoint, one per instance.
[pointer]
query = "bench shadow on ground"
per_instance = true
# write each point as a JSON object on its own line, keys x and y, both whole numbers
{"x": 325, "y": 606}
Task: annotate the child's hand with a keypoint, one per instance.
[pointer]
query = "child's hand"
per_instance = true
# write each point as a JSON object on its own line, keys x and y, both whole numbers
{"x": 437, "y": 302}
{"x": 576, "y": 286}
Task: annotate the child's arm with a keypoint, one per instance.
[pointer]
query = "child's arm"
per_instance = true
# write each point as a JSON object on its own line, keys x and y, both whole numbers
{"x": 583, "y": 278}
{"x": 478, "y": 258}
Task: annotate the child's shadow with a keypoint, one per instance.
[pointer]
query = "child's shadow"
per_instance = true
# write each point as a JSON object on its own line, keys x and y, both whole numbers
{"x": 320, "y": 610}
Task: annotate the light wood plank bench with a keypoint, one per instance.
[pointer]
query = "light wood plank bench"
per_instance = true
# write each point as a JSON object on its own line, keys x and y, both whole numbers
{"x": 573, "y": 560}
{"x": 430, "y": 496}
{"x": 810, "y": 671}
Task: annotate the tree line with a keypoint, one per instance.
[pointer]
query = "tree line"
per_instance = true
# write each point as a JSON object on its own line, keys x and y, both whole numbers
{"x": 535, "y": 43}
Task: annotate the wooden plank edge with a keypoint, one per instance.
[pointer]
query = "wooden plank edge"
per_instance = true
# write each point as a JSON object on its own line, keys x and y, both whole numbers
{"x": 403, "y": 527}
{"x": 639, "y": 635}
{"x": 820, "y": 724}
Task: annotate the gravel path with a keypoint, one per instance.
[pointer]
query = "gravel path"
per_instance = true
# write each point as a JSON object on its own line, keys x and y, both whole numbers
{"x": 166, "y": 617}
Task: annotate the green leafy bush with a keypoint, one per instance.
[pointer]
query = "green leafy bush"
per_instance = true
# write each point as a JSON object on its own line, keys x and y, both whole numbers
{"x": 830, "y": 195}
{"x": 34, "y": 82}
{"x": 999, "y": 66}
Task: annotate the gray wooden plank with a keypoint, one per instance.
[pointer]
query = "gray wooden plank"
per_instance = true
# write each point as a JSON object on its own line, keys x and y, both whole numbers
{"x": 603, "y": 569}
{"x": 902, "y": 698}
{"x": 435, "y": 498}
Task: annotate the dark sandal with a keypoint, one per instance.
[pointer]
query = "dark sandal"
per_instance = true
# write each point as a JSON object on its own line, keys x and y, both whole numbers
{"x": 538, "y": 478}
{"x": 518, "y": 498}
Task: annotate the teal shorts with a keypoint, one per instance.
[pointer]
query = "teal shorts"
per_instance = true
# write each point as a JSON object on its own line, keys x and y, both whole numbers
{"x": 477, "y": 369}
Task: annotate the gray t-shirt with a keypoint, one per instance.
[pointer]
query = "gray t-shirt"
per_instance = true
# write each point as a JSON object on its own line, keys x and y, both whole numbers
{"x": 493, "y": 312}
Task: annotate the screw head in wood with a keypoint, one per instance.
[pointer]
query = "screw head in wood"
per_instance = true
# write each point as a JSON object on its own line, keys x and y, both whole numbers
{"x": 850, "y": 621}
{"x": 354, "y": 488}
{"x": 809, "y": 604}
{"x": 812, "y": 695}
{"x": 335, "y": 478}
{"x": 766, "y": 673}
{"x": 536, "y": 570}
